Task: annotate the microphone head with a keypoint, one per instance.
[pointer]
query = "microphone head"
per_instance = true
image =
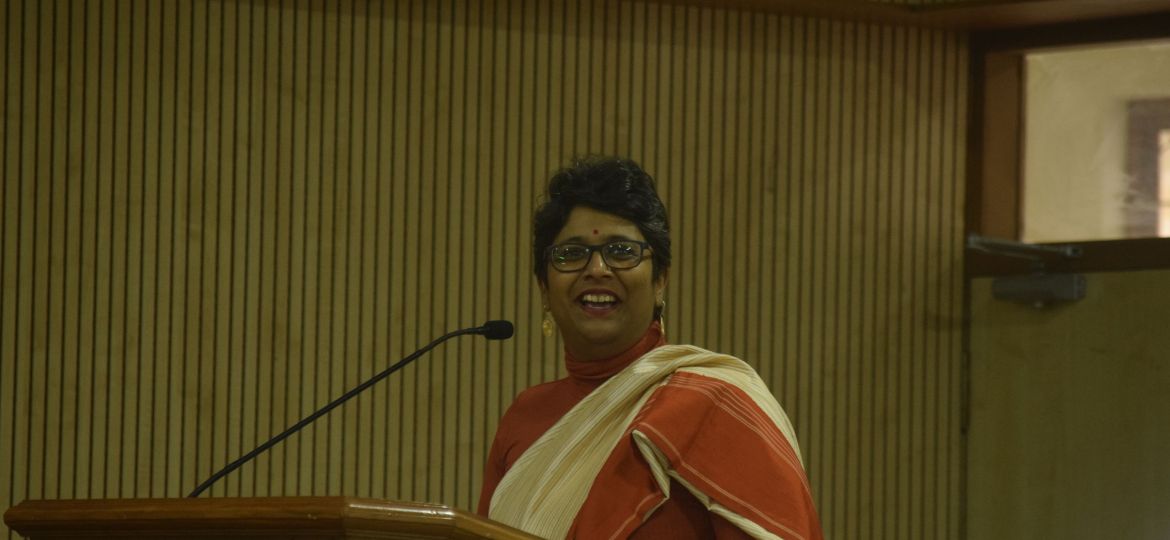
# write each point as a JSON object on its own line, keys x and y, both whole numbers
{"x": 496, "y": 329}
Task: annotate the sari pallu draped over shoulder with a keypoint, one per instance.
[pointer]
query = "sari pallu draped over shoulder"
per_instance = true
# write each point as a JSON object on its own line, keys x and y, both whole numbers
{"x": 703, "y": 419}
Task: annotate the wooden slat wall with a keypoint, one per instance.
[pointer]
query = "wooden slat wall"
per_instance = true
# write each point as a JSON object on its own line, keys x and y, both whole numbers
{"x": 217, "y": 215}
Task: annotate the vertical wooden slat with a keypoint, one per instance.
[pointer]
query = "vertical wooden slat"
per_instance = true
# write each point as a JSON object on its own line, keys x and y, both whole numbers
{"x": 359, "y": 327}
{"x": 102, "y": 276}
{"x": 954, "y": 427}
{"x": 385, "y": 399}
{"x": 71, "y": 351}
{"x": 429, "y": 238}
{"x": 8, "y": 236}
{"x": 791, "y": 257}
{"x": 412, "y": 233}
{"x": 131, "y": 151}
{"x": 331, "y": 262}
{"x": 242, "y": 405}
{"x": 370, "y": 455}
{"x": 725, "y": 74}
{"x": 209, "y": 436}
{"x": 750, "y": 164}
{"x": 878, "y": 313}
{"x": 936, "y": 276}
{"x": 496, "y": 100}
{"x": 834, "y": 288}
{"x": 150, "y": 361}
{"x": 191, "y": 234}
{"x": 340, "y": 61}
{"x": 538, "y": 161}
{"x": 671, "y": 93}
{"x": 765, "y": 167}
{"x": 864, "y": 384}
{"x": 227, "y": 383}
{"x": 255, "y": 67}
{"x": 521, "y": 115}
{"x": 89, "y": 173}
{"x": 124, "y": 254}
{"x": 470, "y": 439}
{"x": 39, "y": 111}
{"x": 311, "y": 387}
{"x": 931, "y": 272}
{"x": 397, "y": 234}
{"x": 898, "y": 370}
{"x": 434, "y": 157}
{"x": 19, "y": 291}
{"x": 280, "y": 240}
{"x": 162, "y": 399}
{"x": 446, "y": 453}
{"x": 488, "y": 391}
{"x": 9, "y": 100}
{"x": 53, "y": 155}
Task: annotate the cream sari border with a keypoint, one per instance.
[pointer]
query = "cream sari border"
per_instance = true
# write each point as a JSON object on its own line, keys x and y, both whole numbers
{"x": 545, "y": 489}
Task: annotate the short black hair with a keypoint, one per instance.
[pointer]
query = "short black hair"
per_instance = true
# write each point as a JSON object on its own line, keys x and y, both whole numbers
{"x": 613, "y": 185}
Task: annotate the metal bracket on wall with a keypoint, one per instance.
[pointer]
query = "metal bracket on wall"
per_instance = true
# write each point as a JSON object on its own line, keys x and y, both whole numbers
{"x": 1039, "y": 288}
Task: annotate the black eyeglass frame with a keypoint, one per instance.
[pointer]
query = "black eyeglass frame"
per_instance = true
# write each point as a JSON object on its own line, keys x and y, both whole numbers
{"x": 600, "y": 248}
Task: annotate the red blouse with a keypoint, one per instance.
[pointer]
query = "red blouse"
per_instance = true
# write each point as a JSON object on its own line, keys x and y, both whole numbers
{"x": 536, "y": 409}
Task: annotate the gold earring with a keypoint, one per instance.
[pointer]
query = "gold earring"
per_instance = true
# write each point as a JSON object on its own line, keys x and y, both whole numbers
{"x": 546, "y": 326}
{"x": 662, "y": 316}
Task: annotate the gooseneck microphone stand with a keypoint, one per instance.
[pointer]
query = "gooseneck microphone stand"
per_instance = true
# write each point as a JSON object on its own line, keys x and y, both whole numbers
{"x": 490, "y": 330}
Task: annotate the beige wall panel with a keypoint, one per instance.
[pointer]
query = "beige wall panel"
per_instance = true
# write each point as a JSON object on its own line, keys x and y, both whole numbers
{"x": 217, "y": 215}
{"x": 1068, "y": 431}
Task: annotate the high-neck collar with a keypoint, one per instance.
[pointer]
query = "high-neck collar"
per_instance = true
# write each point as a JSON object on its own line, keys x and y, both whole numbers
{"x": 597, "y": 371}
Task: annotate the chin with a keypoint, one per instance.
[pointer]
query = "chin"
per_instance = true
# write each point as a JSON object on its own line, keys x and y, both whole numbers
{"x": 601, "y": 331}
{"x": 601, "y": 340}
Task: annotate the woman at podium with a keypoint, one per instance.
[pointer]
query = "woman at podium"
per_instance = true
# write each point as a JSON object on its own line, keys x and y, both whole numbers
{"x": 642, "y": 439}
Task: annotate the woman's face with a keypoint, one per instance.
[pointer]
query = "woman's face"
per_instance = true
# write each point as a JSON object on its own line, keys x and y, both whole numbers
{"x": 601, "y": 311}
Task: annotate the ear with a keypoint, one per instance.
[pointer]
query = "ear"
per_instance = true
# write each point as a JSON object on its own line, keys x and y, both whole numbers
{"x": 543, "y": 294}
{"x": 660, "y": 286}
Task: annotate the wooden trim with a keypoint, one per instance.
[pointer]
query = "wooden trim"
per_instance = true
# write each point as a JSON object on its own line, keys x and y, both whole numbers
{"x": 1112, "y": 30}
{"x": 1098, "y": 256}
{"x": 970, "y": 15}
{"x": 996, "y": 145}
{"x": 988, "y": 15}
{"x": 852, "y": 10}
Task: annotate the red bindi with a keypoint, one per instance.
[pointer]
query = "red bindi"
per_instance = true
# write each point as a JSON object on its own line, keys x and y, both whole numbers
{"x": 594, "y": 231}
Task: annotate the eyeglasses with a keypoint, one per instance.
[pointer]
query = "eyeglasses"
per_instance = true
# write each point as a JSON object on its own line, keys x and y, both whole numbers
{"x": 618, "y": 255}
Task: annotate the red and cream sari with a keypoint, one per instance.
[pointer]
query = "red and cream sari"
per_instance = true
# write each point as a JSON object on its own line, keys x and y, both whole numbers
{"x": 681, "y": 413}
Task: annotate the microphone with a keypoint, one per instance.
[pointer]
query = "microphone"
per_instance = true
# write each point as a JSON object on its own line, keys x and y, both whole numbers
{"x": 496, "y": 330}
{"x": 490, "y": 330}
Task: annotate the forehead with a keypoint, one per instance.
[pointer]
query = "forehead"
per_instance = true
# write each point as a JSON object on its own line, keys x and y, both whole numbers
{"x": 584, "y": 221}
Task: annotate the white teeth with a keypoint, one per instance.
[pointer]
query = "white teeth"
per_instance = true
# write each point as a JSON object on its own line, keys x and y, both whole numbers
{"x": 599, "y": 298}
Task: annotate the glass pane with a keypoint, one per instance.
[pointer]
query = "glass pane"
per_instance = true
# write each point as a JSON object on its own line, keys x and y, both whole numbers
{"x": 1093, "y": 143}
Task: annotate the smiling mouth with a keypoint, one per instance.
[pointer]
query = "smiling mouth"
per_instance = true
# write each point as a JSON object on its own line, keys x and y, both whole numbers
{"x": 598, "y": 301}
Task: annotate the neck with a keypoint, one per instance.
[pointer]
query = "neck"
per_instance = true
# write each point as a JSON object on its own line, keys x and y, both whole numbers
{"x": 583, "y": 349}
{"x": 599, "y": 369}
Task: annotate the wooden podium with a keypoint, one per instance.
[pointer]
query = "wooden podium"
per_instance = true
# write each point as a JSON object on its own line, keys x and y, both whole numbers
{"x": 239, "y": 518}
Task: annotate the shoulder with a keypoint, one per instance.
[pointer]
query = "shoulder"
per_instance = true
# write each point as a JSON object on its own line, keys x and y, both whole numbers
{"x": 690, "y": 353}
{"x": 538, "y": 408}
{"x": 532, "y": 412}
{"x": 533, "y": 400}
{"x": 700, "y": 360}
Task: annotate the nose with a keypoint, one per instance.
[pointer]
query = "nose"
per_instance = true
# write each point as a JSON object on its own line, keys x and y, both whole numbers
{"x": 596, "y": 265}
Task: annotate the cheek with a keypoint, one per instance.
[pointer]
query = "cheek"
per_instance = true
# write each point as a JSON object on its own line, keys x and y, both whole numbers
{"x": 558, "y": 288}
{"x": 643, "y": 286}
